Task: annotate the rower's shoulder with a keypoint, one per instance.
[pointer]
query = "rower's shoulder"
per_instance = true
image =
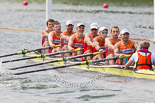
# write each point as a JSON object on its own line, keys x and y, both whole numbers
{"x": 108, "y": 39}
{"x": 117, "y": 44}
{"x": 87, "y": 35}
{"x": 62, "y": 34}
{"x": 133, "y": 42}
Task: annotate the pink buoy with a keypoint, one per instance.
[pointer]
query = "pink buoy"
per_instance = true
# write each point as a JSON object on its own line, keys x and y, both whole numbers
{"x": 25, "y": 3}
{"x": 105, "y": 5}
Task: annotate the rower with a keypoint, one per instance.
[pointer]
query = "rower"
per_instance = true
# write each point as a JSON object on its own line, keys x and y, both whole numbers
{"x": 110, "y": 42}
{"x": 77, "y": 40}
{"x": 64, "y": 37}
{"x": 45, "y": 33}
{"x": 54, "y": 37}
{"x": 88, "y": 41}
{"x": 99, "y": 43}
{"x": 142, "y": 58}
{"x": 125, "y": 47}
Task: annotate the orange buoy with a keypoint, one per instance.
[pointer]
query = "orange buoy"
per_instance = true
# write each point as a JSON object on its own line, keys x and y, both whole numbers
{"x": 105, "y": 5}
{"x": 25, "y": 3}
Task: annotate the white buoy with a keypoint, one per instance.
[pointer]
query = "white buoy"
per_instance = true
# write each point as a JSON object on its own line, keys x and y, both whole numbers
{"x": 48, "y": 9}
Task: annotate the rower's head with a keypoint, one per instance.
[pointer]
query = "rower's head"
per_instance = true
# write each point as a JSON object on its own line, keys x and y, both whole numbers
{"x": 69, "y": 25}
{"x": 125, "y": 35}
{"x": 49, "y": 24}
{"x": 94, "y": 28}
{"x": 80, "y": 28}
{"x": 144, "y": 45}
{"x": 115, "y": 31}
{"x": 57, "y": 26}
{"x": 103, "y": 31}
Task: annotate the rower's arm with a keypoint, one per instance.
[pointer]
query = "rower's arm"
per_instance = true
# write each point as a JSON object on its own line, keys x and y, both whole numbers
{"x": 128, "y": 64}
{"x": 70, "y": 43}
{"x": 44, "y": 34}
{"x": 117, "y": 49}
{"x": 96, "y": 43}
{"x": 136, "y": 45}
{"x": 50, "y": 39}
{"x": 87, "y": 40}
{"x": 63, "y": 36}
{"x": 131, "y": 61}
{"x": 153, "y": 61}
{"x": 108, "y": 43}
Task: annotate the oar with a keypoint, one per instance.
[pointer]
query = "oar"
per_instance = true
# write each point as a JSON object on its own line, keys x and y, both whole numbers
{"x": 27, "y": 51}
{"x": 59, "y": 60}
{"x": 39, "y": 56}
{"x": 88, "y": 62}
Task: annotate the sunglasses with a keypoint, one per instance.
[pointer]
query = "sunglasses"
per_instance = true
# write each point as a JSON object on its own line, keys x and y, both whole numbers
{"x": 104, "y": 32}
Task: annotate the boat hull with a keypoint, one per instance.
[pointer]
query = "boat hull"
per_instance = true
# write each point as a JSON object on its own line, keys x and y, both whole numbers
{"x": 105, "y": 69}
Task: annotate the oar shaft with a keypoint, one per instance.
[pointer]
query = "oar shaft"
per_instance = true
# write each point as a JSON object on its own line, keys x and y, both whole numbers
{"x": 81, "y": 63}
{"x": 64, "y": 66}
{"x": 40, "y": 56}
{"x": 56, "y": 53}
{"x": 8, "y": 55}
{"x": 18, "y": 59}
{"x": 33, "y": 65}
{"x": 27, "y": 51}
{"x": 105, "y": 59}
{"x": 48, "y": 47}
{"x": 59, "y": 60}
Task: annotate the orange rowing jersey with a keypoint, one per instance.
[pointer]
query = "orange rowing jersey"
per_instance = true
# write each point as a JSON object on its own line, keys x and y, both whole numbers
{"x": 101, "y": 44}
{"x": 144, "y": 62}
{"x": 112, "y": 41}
{"x": 129, "y": 49}
{"x": 87, "y": 47}
{"x": 65, "y": 32}
{"x": 77, "y": 43}
{"x": 56, "y": 40}
{"x": 64, "y": 41}
{"x": 45, "y": 39}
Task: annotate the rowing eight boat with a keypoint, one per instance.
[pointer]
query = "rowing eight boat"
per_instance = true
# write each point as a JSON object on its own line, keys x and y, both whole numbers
{"x": 108, "y": 69}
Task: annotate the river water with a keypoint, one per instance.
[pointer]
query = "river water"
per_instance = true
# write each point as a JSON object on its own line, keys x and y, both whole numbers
{"x": 51, "y": 86}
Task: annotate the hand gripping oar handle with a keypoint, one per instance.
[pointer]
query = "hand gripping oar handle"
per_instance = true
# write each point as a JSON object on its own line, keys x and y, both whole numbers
{"x": 125, "y": 56}
{"x": 27, "y": 51}
{"x": 57, "y": 67}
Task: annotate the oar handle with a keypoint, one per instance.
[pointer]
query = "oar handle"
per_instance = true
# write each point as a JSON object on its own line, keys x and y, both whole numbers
{"x": 125, "y": 56}
{"x": 57, "y": 45}
{"x": 80, "y": 49}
